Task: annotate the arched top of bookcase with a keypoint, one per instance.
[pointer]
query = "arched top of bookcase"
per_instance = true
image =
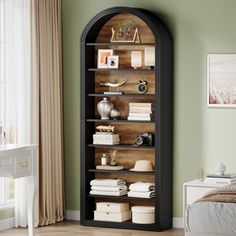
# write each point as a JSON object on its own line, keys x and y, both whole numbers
{"x": 151, "y": 28}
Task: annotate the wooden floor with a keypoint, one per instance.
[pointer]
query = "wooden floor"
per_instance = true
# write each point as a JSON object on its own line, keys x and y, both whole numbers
{"x": 71, "y": 228}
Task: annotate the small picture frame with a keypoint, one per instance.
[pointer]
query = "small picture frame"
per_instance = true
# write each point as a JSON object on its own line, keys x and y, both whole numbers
{"x": 113, "y": 61}
{"x": 103, "y": 55}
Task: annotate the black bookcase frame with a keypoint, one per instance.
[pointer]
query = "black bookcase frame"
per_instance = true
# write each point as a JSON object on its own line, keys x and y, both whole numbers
{"x": 163, "y": 123}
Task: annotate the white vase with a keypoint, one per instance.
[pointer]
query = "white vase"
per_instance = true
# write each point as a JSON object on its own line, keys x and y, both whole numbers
{"x": 114, "y": 114}
{"x": 220, "y": 169}
{"x": 104, "y": 108}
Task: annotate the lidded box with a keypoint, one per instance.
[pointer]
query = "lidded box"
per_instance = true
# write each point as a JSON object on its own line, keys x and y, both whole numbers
{"x": 143, "y": 214}
{"x": 112, "y": 206}
{"x": 112, "y": 216}
{"x": 111, "y": 211}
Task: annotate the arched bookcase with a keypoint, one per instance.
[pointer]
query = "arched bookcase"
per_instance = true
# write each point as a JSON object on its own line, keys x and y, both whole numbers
{"x": 97, "y": 35}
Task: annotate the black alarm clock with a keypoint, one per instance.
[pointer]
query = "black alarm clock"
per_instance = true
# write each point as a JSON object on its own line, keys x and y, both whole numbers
{"x": 142, "y": 86}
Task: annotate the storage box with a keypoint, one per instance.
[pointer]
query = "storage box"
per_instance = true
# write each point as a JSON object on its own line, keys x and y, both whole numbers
{"x": 112, "y": 207}
{"x": 112, "y": 216}
{"x": 143, "y": 215}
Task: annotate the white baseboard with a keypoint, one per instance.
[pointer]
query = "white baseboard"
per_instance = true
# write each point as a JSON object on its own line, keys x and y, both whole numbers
{"x": 7, "y": 224}
{"x": 72, "y": 215}
{"x": 75, "y": 215}
{"x": 178, "y": 223}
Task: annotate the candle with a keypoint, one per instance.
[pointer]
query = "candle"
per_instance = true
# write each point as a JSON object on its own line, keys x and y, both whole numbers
{"x": 136, "y": 59}
{"x": 149, "y": 58}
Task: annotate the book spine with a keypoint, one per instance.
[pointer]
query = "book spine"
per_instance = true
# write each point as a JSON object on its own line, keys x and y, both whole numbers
{"x": 106, "y": 143}
{"x": 141, "y": 104}
{"x": 220, "y": 180}
{"x": 222, "y": 176}
{"x": 109, "y": 137}
{"x": 145, "y": 110}
{"x": 132, "y": 114}
{"x": 139, "y": 118}
{"x": 105, "y": 139}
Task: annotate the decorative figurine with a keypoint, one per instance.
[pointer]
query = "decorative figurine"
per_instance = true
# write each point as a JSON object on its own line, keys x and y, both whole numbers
{"x": 104, "y": 108}
{"x": 125, "y": 33}
{"x": 114, "y": 114}
{"x": 113, "y": 86}
{"x": 220, "y": 169}
{"x": 106, "y": 128}
{"x": 113, "y": 158}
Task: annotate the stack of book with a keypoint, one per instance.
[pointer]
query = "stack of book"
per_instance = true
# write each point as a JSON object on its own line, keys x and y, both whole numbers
{"x": 106, "y": 138}
{"x": 140, "y": 111}
{"x": 221, "y": 179}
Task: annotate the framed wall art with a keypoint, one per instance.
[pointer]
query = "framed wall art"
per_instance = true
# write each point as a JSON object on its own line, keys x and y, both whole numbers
{"x": 221, "y": 80}
{"x": 103, "y": 55}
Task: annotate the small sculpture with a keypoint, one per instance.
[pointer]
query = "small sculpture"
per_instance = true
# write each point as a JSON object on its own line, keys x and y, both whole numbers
{"x": 114, "y": 114}
{"x": 125, "y": 33}
{"x": 220, "y": 169}
{"x": 106, "y": 128}
{"x": 113, "y": 86}
{"x": 113, "y": 158}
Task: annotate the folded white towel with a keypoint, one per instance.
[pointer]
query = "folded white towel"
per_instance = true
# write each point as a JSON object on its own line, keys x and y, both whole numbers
{"x": 142, "y": 187}
{"x": 117, "y": 193}
{"x": 109, "y": 189}
{"x": 150, "y": 194}
{"x": 107, "y": 182}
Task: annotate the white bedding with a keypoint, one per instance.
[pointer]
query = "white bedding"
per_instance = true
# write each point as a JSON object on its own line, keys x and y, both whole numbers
{"x": 211, "y": 218}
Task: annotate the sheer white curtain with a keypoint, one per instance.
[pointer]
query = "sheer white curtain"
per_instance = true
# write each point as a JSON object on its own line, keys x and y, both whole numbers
{"x": 15, "y": 75}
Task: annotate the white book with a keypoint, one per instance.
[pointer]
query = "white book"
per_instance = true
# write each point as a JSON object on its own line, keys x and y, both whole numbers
{"x": 140, "y": 104}
{"x": 140, "y": 110}
{"x": 104, "y": 133}
{"x": 106, "y": 137}
{"x": 139, "y": 118}
{"x": 106, "y": 142}
{"x": 220, "y": 180}
{"x": 225, "y": 176}
{"x": 139, "y": 114}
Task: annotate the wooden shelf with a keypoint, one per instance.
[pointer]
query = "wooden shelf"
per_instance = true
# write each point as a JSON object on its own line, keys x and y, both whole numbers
{"x": 120, "y": 95}
{"x": 119, "y": 44}
{"x": 122, "y": 172}
{"x": 120, "y": 69}
{"x": 120, "y": 197}
{"x": 125, "y": 225}
{"x": 122, "y": 146}
{"x": 120, "y": 121}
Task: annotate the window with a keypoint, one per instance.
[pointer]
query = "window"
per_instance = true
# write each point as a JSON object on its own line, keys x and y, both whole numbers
{"x": 7, "y": 102}
{"x": 7, "y": 84}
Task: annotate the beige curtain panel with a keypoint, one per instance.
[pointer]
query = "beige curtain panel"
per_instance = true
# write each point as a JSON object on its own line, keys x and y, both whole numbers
{"x": 47, "y": 88}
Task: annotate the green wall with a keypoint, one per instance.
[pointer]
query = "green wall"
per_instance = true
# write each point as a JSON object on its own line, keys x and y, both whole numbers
{"x": 202, "y": 136}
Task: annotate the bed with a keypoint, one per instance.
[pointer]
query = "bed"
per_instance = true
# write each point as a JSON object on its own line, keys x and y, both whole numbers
{"x": 214, "y": 214}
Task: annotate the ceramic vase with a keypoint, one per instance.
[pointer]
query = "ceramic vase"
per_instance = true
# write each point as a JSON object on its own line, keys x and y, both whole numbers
{"x": 104, "y": 108}
{"x": 220, "y": 169}
{"x": 115, "y": 114}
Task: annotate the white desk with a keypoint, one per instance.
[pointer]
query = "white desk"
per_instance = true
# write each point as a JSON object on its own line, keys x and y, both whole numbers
{"x": 17, "y": 162}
